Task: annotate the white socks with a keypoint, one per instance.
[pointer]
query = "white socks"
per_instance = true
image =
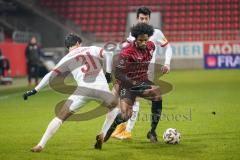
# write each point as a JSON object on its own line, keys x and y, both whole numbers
{"x": 109, "y": 120}
{"x": 51, "y": 129}
{"x": 131, "y": 122}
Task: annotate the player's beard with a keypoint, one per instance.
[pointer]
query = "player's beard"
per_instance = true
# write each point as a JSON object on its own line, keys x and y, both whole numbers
{"x": 142, "y": 47}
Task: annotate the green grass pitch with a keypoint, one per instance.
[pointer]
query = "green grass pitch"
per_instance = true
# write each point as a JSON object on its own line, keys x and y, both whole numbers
{"x": 189, "y": 107}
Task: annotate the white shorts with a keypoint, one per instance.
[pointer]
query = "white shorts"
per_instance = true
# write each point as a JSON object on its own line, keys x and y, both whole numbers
{"x": 90, "y": 92}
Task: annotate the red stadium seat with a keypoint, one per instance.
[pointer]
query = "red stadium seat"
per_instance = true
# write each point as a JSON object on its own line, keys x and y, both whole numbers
{"x": 220, "y": 26}
{"x": 197, "y": 13}
{"x": 236, "y": 25}
{"x": 167, "y": 8}
{"x": 182, "y": 16}
{"x": 181, "y": 27}
{"x": 189, "y": 20}
{"x": 191, "y": 7}
{"x": 107, "y": 22}
{"x": 167, "y": 14}
{"x": 166, "y": 27}
{"x": 107, "y": 15}
{"x": 174, "y": 20}
{"x": 212, "y": 7}
{"x": 181, "y": 20}
{"x": 84, "y": 28}
{"x": 182, "y": 7}
{"x": 83, "y": 21}
{"x": 98, "y": 28}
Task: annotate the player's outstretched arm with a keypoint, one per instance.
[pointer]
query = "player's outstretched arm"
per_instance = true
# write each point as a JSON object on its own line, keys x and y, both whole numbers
{"x": 168, "y": 56}
{"x": 41, "y": 85}
{"x": 161, "y": 39}
{"x": 61, "y": 67}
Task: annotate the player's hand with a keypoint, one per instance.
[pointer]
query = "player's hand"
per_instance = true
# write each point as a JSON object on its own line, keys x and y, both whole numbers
{"x": 165, "y": 69}
{"x": 108, "y": 77}
{"x": 29, "y": 93}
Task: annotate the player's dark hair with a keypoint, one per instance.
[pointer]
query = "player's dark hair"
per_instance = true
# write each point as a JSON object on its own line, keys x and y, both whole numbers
{"x": 71, "y": 40}
{"x": 142, "y": 28}
{"x": 143, "y": 10}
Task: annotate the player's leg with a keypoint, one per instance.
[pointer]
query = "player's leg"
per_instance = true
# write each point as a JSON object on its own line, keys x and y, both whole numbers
{"x": 53, "y": 126}
{"x": 131, "y": 122}
{"x": 111, "y": 101}
{"x": 154, "y": 95}
{"x": 127, "y": 100}
{"x": 70, "y": 106}
{"x": 129, "y": 125}
{"x": 111, "y": 115}
{"x": 126, "y": 112}
{"x": 122, "y": 126}
{"x": 126, "y": 133}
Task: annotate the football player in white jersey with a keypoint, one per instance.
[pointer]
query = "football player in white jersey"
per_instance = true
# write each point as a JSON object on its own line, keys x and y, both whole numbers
{"x": 123, "y": 131}
{"x": 84, "y": 64}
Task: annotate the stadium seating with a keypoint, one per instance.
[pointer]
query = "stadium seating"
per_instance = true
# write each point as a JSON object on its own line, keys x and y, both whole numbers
{"x": 183, "y": 20}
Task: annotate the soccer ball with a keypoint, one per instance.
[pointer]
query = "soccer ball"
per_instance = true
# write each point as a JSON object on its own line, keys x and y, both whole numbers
{"x": 171, "y": 136}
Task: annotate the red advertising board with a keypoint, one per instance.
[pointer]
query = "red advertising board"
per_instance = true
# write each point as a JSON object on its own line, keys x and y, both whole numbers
{"x": 15, "y": 52}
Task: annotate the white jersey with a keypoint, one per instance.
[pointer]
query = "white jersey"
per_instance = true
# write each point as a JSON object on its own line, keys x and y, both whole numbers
{"x": 157, "y": 38}
{"x": 84, "y": 64}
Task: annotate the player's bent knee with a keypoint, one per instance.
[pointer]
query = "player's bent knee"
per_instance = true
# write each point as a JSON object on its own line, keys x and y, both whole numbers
{"x": 64, "y": 113}
{"x": 155, "y": 93}
{"x": 157, "y": 98}
{"x": 64, "y": 116}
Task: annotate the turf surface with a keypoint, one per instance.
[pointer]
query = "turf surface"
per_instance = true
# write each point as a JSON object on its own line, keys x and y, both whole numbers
{"x": 204, "y": 106}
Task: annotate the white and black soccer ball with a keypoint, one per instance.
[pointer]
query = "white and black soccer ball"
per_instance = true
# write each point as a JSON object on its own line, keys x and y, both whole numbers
{"x": 171, "y": 136}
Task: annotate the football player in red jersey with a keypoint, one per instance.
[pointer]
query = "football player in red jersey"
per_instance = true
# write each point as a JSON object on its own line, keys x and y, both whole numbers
{"x": 143, "y": 15}
{"x": 132, "y": 77}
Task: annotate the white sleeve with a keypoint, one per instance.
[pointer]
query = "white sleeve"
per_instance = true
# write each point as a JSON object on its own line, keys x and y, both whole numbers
{"x": 108, "y": 57}
{"x": 160, "y": 38}
{"x": 105, "y": 56}
{"x": 99, "y": 53}
{"x": 168, "y": 54}
{"x": 58, "y": 69}
{"x": 44, "y": 82}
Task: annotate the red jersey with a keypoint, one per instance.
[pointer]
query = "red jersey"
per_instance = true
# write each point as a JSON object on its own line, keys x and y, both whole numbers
{"x": 134, "y": 62}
